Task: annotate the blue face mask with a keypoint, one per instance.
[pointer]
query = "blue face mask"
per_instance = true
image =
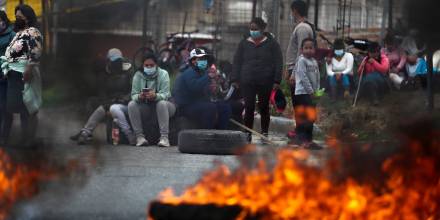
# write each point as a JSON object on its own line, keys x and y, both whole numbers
{"x": 149, "y": 71}
{"x": 255, "y": 34}
{"x": 339, "y": 53}
{"x": 202, "y": 64}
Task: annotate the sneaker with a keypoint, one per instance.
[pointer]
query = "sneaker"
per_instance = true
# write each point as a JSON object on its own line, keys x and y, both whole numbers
{"x": 141, "y": 141}
{"x": 164, "y": 142}
{"x": 249, "y": 137}
{"x": 264, "y": 141}
{"x": 76, "y": 137}
{"x": 84, "y": 138}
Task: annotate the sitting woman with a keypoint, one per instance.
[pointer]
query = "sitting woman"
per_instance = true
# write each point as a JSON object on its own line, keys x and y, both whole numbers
{"x": 416, "y": 69}
{"x": 373, "y": 70}
{"x": 396, "y": 56}
{"x": 339, "y": 69}
{"x": 151, "y": 86}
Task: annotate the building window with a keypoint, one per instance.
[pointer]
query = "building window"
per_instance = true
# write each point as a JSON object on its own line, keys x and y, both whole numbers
{"x": 239, "y": 12}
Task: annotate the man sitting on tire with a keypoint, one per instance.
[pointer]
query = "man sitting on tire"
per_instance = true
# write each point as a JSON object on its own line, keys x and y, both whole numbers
{"x": 192, "y": 94}
{"x": 151, "y": 86}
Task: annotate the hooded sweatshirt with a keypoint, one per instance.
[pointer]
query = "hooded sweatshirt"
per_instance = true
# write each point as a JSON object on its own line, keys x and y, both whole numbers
{"x": 382, "y": 67}
{"x": 258, "y": 63}
{"x": 191, "y": 86}
{"x": 159, "y": 83}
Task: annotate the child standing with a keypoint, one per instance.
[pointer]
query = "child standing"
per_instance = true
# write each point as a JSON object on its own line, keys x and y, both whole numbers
{"x": 307, "y": 75}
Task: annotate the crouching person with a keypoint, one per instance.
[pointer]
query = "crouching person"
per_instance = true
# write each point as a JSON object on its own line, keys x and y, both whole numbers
{"x": 151, "y": 86}
{"x": 114, "y": 89}
{"x": 374, "y": 70}
{"x": 193, "y": 92}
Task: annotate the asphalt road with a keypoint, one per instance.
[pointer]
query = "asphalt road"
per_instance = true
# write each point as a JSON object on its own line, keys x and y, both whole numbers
{"x": 120, "y": 185}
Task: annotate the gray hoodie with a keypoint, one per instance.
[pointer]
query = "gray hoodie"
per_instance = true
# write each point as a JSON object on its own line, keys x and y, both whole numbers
{"x": 306, "y": 76}
{"x": 302, "y": 31}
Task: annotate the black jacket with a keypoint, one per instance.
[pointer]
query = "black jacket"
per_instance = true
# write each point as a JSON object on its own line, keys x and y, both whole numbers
{"x": 258, "y": 64}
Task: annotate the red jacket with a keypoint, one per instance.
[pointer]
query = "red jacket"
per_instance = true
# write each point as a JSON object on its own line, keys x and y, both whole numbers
{"x": 382, "y": 67}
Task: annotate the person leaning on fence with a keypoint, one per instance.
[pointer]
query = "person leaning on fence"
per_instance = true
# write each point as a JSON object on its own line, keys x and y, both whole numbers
{"x": 114, "y": 88}
{"x": 307, "y": 79}
{"x": 151, "y": 86}
{"x": 21, "y": 67}
{"x": 340, "y": 69}
{"x": 6, "y": 36}
{"x": 257, "y": 69}
{"x": 192, "y": 94}
{"x": 373, "y": 72}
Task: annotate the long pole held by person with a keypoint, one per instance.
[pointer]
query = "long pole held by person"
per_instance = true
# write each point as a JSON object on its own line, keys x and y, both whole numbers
{"x": 360, "y": 81}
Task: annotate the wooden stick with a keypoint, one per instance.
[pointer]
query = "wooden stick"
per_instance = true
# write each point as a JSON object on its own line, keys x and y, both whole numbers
{"x": 359, "y": 84}
{"x": 252, "y": 131}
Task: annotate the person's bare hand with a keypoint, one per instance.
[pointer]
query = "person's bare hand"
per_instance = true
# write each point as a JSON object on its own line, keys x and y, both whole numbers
{"x": 338, "y": 76}
{"x": 371, "y": 60}
{"x": 150, "y": 96}
{"x": 142, "y": 96}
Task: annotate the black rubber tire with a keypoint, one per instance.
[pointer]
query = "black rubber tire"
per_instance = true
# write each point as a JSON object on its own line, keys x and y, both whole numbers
{"x": 215, "y": 142}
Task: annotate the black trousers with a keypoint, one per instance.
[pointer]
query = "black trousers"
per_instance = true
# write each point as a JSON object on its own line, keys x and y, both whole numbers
{"x": 305, "y": 116}
{"x": 249, "y": 92}
{"x": 14, "y": 104}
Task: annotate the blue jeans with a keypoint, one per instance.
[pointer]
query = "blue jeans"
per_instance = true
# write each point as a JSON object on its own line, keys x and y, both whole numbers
{"x": 373, "y": 85}
{"x": 345, "y": 81}
{"x": 210, "y": 115}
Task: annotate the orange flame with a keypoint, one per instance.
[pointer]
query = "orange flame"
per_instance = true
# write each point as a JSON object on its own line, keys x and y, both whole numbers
{"x": 17, "y": 182}
{"x": 21, "y": 181}
{"x": 294, "y": 190}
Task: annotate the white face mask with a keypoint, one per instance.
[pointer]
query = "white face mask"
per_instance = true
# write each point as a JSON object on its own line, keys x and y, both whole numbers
{"x": 149, "y": 71}
{"x": 339, "y": 53}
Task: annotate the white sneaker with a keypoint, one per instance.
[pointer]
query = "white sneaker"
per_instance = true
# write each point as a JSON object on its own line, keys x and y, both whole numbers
{"x": 141, "y": 141}
{"x": 164, "y": 142}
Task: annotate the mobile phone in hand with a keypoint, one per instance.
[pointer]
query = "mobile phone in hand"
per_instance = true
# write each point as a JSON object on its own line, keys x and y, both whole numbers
{"x": 146, "y": 90}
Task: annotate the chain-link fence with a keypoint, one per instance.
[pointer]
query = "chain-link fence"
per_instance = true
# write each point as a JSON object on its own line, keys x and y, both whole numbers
{"x": 216, "y": 24}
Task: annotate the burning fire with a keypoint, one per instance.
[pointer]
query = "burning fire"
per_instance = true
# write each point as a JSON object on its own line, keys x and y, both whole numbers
{"x": 295, "y": 190}
{"x": 21, "y": 181}
{"x": 17, "y": 182}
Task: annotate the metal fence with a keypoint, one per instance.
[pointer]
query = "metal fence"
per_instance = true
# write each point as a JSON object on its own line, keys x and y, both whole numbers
{"x": 224, "y": 20}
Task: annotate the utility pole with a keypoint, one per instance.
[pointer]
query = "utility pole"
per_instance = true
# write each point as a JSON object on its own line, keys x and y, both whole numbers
{"x": 144, "y": 22}
{"x": 316, "y": 13}
{"x": 390, "y": 13}
{"x": 254, "y": 8}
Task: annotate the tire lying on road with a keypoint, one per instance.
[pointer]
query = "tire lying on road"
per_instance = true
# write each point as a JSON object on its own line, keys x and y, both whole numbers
{"x": 217, "y": 142}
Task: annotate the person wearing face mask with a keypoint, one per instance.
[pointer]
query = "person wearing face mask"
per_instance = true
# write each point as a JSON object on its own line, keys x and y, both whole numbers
{"x": 374, "y": 70}
{"x": 150, "y": 87}
{"x": 192, "y": 94}
{"x": 257, "y": 70}
{"x": 6, "y": 36}
{"x": 114, "y": 80}
{"x": 21, "y": 67}
{"x": 339, "y": 69}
